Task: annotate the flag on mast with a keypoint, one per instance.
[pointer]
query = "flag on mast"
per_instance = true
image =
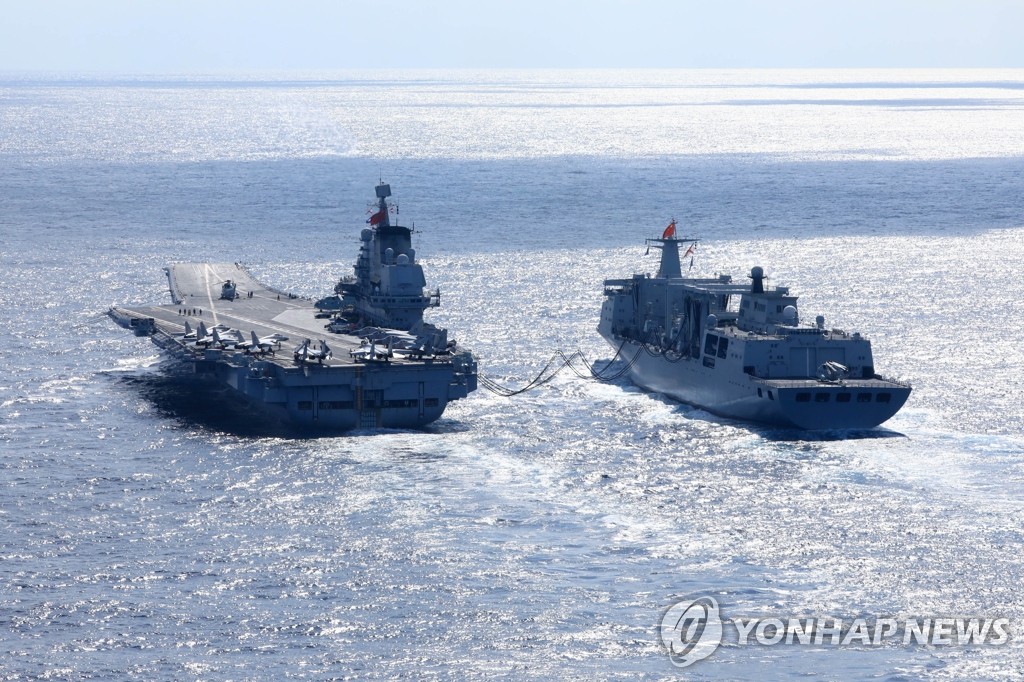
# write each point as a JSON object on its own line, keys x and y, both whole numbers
{"x": 670, "y": 231}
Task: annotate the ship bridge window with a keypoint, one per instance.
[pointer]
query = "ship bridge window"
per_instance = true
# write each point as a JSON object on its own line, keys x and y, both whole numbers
{"x": 710, "y": 344}
{"x": 821, "y": 397}
{"x": 723, "y": 347}
{"x": 803, "y": 397}
{"x": 863, "y": 397}
{"x": 883, "y": 397}
{"x": 842, "y": 397}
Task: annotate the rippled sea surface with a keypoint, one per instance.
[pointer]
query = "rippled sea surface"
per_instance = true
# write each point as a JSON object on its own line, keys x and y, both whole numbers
{"x": 145, "y": 536}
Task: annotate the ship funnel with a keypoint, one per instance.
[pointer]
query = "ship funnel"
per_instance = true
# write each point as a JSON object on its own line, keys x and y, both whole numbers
{"x": 757, "y": 277}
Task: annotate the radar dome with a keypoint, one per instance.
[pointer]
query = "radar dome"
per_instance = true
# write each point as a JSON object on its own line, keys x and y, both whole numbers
{"x": 789, "y": 313}
{"x": 366, "y": 235}
{"x": 403, "y": 259}
{"x": 712, "y": 321}
{"x": 757, "y": 280}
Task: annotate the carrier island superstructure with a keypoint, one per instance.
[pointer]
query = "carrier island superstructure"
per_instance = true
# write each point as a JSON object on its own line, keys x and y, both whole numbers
{"x": 376, "y": 364}
{"x": 741, "y": 350}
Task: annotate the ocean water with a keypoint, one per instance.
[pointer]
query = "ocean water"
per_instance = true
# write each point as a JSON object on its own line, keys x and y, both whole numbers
{"x": 146, "y": 536}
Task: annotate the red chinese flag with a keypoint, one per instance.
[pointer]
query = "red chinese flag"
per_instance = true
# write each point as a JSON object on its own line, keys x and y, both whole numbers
{"x": 670, "y": 231}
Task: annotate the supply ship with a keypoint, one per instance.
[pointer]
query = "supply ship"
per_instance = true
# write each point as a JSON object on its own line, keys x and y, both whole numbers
{"x": 741, "y": 350}
{"x": 363, "y": 360}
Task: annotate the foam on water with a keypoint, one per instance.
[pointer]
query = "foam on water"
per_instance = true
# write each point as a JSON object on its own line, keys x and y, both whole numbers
{"x": 148, "y": 536}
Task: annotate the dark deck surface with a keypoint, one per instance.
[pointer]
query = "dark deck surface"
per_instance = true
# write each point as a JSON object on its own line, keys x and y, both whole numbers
{"x": 197, "y": 288}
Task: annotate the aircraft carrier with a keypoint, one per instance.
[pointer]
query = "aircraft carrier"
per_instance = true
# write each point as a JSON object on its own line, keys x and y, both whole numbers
{"x": 740, "y": 350}
{"x": 380, "y": 365}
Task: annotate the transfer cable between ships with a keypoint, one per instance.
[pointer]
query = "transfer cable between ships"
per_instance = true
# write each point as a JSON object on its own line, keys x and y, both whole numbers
{"x": 559, "y": 361}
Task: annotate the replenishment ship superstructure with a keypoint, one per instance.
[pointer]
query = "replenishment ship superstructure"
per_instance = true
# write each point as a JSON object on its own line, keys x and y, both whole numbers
{"x": 377, "y": 364}
{"x": 741, "y": 351}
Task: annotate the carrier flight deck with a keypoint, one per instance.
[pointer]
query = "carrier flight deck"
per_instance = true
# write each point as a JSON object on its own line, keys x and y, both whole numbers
{"x": 362, "y": 358}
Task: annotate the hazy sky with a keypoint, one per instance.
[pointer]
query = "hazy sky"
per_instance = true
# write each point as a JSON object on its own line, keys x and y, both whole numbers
{"x": 153, "y": 36}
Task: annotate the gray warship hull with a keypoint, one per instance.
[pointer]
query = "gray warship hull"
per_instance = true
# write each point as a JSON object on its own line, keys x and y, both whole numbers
{"x": 345, "y": 391}
{"x": 802, "y": 404}
{"x": 740, "y": 351}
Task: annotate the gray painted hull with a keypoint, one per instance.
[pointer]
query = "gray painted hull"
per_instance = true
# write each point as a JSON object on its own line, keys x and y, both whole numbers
{"x": 799, "y": 403}
{"x": 336, "y": 395}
